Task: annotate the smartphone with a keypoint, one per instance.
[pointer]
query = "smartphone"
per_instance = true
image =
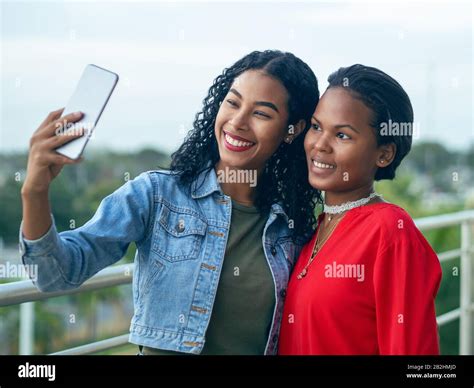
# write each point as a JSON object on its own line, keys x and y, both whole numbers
{"x": 90, "y": 97}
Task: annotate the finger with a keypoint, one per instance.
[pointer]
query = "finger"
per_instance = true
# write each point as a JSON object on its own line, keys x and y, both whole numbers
{"x": 54, "y": 115}
{"x": 49, "y": 158}
{"x": 62, "y": 124}
{"x": 58, "y": 159}
{"x": 63, "y": 138}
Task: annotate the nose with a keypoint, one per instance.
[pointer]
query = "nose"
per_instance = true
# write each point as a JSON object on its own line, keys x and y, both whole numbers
{"x": 322, "y": 143}
{"x": 240, "y": 120}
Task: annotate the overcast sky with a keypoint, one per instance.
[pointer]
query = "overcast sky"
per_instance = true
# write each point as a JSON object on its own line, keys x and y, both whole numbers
{"x": 167, "y": 55}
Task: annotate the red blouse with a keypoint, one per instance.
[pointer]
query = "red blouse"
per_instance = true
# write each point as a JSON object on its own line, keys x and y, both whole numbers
{"x": 370, "y": 289}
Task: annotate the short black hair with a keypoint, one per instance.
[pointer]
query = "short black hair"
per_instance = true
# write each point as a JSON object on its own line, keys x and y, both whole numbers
{"x": 389, "y": 103}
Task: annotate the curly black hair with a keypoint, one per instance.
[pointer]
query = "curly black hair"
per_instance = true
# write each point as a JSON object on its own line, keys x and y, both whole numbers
{"x": 284, "y": 179}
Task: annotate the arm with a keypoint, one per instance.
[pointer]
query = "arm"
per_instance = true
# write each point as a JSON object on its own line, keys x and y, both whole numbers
{"x": 44, "y": 164}
{"x": 407, "y": 275}
{"x": 65, "y": 260}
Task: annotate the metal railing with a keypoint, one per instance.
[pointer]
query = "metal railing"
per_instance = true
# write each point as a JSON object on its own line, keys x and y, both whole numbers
{"x": 24, "y": 291}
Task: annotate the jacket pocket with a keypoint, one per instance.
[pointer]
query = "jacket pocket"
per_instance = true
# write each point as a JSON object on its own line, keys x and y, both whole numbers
{"x": 178, "y": 235}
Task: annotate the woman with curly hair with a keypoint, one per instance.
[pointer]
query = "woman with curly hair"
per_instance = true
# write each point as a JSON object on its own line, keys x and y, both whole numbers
{"x": 216, "y": 235}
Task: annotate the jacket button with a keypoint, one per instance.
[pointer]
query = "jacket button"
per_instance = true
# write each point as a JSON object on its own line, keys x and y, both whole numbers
{"x": 273, "y": 251}
{"x": 283, "y": 293}
{"x": 180, "y": 226}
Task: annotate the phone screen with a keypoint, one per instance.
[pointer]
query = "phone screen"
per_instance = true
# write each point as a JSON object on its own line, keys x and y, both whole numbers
{"x": 90, "y": 97}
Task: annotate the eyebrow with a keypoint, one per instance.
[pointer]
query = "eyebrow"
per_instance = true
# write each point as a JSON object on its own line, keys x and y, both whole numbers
{"x": 260, "y": 103}
{"x": 338, "y": 126}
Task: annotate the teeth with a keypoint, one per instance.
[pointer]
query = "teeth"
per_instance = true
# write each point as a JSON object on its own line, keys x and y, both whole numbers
{"x": 236, "y": 143}
{"x": 322, "y": 165}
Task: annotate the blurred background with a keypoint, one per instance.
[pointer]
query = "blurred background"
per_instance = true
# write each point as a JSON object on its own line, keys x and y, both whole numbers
{"x": 167, "y": 55}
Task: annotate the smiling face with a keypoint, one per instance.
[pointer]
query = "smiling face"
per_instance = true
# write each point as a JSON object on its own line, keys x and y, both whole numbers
{"x": 252, "y": 121}
{"x": 341, "y": 146}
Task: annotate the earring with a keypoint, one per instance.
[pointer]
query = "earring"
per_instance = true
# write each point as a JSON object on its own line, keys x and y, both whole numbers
{"x": 382, "y": 161}
{"x": 288, "y": 140}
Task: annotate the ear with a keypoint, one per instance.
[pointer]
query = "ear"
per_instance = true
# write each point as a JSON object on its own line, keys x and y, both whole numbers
{"x": 299, "y": 127}
{"x": 385, "y": 155}
{"x": 293, "y": 131}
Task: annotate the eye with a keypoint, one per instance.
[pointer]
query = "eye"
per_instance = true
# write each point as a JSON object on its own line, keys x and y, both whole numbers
{"x": 315, "y": 126}
{"x": 231, "y": 102}
{"x": 260, "y": 113}
{"x": 342, "y": 136}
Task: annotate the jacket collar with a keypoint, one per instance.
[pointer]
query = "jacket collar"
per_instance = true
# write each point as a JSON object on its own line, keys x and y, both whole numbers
{"x": 206, "y": 183}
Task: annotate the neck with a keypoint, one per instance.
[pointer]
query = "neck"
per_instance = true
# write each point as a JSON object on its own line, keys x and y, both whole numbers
{"x": 333, "y": 198}
{"x": 242, "y": 192}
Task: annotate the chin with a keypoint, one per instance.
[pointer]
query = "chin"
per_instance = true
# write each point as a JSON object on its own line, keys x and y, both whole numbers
{"x": 234, "y": 161}
{"x": 321, "y": 184}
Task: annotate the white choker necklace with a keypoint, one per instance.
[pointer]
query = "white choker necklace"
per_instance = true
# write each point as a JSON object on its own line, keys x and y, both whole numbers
{"x": 337, "y": 209}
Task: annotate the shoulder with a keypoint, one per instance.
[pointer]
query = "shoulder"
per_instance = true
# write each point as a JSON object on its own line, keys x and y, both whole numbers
{"x": 151, "y": 178}
{"x": 396, "y": 222}
{"x": 168, "y": 189}
{"x": 398, "y": 231}
{"x": 391, "y": 222}
{"x": 402, "y": 245}
{"x": 152, "y": 184}
{"x": 386, "y": 215}
{"x": 160, "y": 179}
{"x": 161, "y": 175}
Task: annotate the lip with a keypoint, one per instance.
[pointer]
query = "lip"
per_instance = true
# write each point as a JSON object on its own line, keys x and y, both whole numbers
{"x": 237, "y": 137}
{"x": 322, "y": 161}
{"x": 320, "y": 171}
{"x": 233, "y": 147}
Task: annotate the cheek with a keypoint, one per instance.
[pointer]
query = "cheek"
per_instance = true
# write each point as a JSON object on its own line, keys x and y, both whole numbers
{"x": 308, "y": 141}
{"x": 220, "y": 117}
{"x": 268, "y": 137}
{"x": 357, "y": 160}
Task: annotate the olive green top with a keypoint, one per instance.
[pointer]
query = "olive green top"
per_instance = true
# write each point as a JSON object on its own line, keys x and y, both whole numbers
{"x": 245, "y": 299}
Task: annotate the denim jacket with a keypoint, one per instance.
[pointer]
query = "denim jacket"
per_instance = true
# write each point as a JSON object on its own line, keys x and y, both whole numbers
{"x": 181, "y": 237}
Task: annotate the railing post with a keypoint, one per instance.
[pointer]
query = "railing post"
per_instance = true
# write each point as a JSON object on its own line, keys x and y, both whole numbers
{"x": 465, "y": 323}
{"x": 27, "y": 328}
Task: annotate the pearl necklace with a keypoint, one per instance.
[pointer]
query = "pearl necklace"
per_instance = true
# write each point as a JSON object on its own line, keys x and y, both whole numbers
{"x": 337, "y": 209}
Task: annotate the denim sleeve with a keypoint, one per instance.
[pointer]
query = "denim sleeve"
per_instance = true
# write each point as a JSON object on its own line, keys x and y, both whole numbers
{"x": 65, "y": 260}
